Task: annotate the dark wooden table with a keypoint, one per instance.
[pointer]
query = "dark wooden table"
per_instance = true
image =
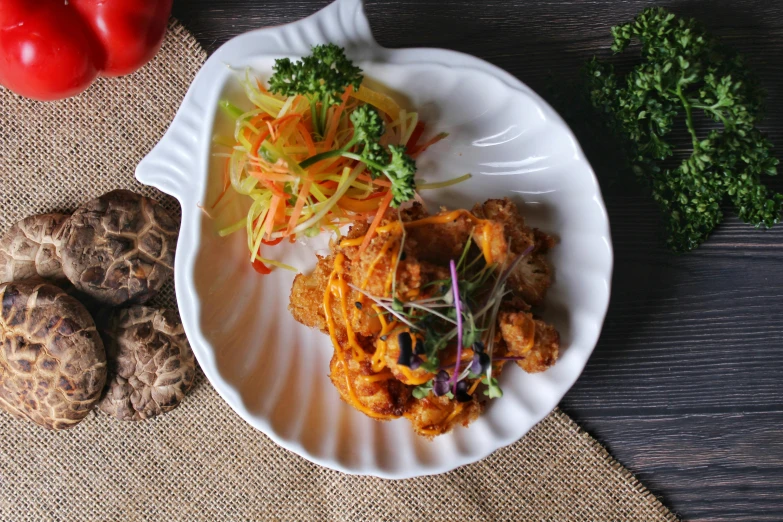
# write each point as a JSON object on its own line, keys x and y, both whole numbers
{"x": 685, "y": 386}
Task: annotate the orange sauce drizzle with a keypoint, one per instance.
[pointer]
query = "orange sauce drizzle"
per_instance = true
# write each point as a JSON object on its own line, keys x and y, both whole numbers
{"x": 530, "y": 334}
{"x": 333, "y": 279}
{"x": 351, "y": 242}
{"x": 382, "y": 376}
{"x": 371, "y": 269}
{"x": 486, "y": 230}
{"x": 438, "y": 219}
{"x": 340, "y": 287}
{"x": 410, "y": 378}
{"x": 379, "y": 357}
{"x": 435, "y": 431}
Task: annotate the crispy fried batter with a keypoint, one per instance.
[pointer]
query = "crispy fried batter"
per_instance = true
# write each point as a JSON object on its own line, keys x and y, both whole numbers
{"x": 306, "y": 303}
{"x": 438, "y": 243}
{"x": 386, "y": 397}
{"x": 307, "y": 294}
{"x": 541, "y": 351}
{"x": 433, "y": 416}
{"x": 533, "y": 276}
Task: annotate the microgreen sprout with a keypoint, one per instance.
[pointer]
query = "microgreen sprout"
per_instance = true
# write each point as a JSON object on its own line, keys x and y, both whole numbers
{"x": 447, "y": 313}
{"x": 458, "y": 307}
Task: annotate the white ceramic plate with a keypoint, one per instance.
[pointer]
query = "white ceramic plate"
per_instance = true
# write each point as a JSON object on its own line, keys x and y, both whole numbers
{"x": 273, "y": 371}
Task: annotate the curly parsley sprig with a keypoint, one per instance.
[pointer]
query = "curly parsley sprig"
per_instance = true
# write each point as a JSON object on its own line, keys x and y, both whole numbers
{"x": 321, "y": 77}
{"x": 683, "y": 70}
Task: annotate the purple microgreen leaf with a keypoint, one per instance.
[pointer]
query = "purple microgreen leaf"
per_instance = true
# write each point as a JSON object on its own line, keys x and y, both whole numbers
{"x": 458, "y": 306}
{"x": 461, "y": 392}
{"x": 406, "y": 349}
{"x": 440, "y": 385}
{"x": 480, "y": 363}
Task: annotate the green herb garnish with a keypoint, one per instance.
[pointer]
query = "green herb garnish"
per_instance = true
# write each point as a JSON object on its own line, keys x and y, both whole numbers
{"x": 321, "y": 77}
{"x": 685, "y": 71}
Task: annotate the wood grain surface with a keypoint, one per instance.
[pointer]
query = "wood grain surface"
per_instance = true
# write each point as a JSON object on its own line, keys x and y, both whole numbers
{"x": 684, "y": 386}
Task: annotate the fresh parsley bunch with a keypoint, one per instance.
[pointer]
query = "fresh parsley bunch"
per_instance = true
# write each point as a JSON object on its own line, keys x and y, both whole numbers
{"x": 684, "y": 70}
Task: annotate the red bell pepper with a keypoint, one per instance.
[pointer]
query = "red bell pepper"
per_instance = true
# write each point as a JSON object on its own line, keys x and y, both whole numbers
{"x": 53, "y": 49}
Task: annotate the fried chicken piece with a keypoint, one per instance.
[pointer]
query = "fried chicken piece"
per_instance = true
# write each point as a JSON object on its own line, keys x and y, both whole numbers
{"x": 535, "y": 340}
{"x": 433, "y": 416}
{"x": 382, "y": 397}
{"x": 307, "y": 296}
{"x": 533, "y": 276}
{"x": 438, "y": 243}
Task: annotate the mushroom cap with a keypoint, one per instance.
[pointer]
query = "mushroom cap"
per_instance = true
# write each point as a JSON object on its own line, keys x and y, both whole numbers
{"x": 119, "y": 248}
{"x": 52, "y": 360}
{"x": 152, "y": 366}
{"x": 31, "y": 248}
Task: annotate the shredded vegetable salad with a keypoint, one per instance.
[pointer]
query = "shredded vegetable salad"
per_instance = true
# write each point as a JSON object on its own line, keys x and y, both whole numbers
{"x": 319, "y": 150}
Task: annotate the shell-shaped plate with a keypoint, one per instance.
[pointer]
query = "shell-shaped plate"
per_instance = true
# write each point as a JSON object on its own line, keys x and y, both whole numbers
{"x": 273, "y": 371}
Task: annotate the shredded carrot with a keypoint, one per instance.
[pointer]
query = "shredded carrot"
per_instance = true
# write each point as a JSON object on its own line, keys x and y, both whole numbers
{"x": 379, "y": 182}
{"x": 256, "y": 120}
{"x": 300, "y": 201}
{"x": 271, "y": 130}
{"x": 385, "y": 202}
{"x": 415, "y": 154}
{"x": 271, "y": 176}
{"x": 377, "y": 195}
{"x": 226, "y": 183}
{"x": 261, "y": 86}
{"x": 274, "y": 188}
{"x": 328, "y": 184}
{"x": 415, "y": 137}
{"x": 257, "y": 144}
{"x": 334, "y": 164}
{"x": 307, "y": 139}
{"x": 336, "y": 117}
{"x": 359, "y": 205}
{"x": 269, "y": 225}
{"x": 279, "y": 122}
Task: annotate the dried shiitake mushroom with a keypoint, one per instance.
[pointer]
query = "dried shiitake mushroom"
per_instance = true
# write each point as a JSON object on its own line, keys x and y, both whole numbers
{"x": 52, "y": 360}
{"x": 150, "y": 362}
{"x": 119, "y": 248}
{"x": 30, "y": 248}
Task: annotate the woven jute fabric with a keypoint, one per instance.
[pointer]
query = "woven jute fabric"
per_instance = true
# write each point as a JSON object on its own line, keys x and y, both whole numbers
{"x": 201, "y": 461}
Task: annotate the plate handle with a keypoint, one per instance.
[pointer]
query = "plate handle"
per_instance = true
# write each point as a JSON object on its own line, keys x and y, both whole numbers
{"x": 342, "y": 22}
{"x": 164, "y": 175}
{"x": 171, "y": 166}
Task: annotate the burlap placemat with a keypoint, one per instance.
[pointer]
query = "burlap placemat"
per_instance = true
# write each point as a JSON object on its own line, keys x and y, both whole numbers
{"x": 202, "y": 462}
